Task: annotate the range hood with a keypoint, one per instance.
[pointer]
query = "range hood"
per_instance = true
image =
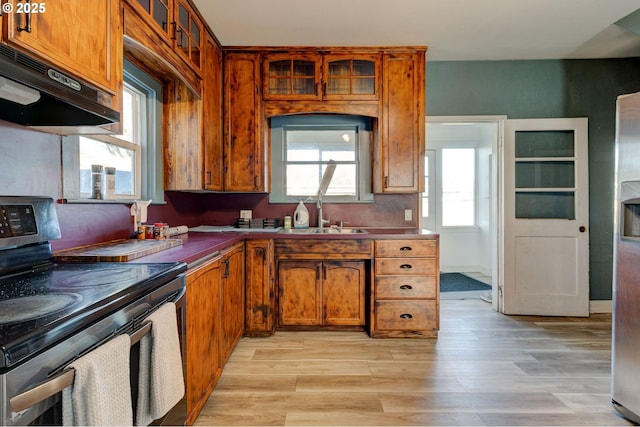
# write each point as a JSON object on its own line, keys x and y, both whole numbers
{"x": 39, "y": 96}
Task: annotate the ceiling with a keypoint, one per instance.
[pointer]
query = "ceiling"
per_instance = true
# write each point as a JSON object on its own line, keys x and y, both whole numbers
{"x": 454, "y": 30}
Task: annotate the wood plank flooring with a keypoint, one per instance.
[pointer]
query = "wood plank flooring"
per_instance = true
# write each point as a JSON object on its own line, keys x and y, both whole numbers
{"x": 484, "y": 369}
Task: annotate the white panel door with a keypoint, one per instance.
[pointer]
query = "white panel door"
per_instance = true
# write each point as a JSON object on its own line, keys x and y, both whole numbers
{"x": 546, "y": 217}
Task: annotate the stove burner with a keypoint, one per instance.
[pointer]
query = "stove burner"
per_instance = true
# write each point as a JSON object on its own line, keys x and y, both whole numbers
{"x": 33, "y": 307}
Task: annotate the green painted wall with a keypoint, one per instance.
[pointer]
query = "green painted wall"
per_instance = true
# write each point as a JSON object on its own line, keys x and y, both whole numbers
{"x": 545, "y": 89}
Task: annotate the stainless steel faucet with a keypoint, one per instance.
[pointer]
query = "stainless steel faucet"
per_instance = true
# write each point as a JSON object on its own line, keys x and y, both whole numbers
{"x": 321, "y": 221}
{"x": 324, "y": 185}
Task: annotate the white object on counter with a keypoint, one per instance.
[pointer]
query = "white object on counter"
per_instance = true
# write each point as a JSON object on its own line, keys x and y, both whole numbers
{"x": 180, "y": 229}
{"x": 301, "y": 216}
{"x": 139, "y": 212}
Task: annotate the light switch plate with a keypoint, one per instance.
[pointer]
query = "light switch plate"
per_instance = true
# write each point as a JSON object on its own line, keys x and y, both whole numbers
{"x": 408, "y": 214}
{"x": 246, "y": 214}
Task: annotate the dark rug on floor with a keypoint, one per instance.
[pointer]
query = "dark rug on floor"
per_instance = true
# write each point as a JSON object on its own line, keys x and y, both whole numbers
{"x": 456, "y": 282}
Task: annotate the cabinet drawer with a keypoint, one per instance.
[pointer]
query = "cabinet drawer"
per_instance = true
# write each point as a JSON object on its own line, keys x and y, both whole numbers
{"x": 406, "y": 315}
{"x": 406, "y": 248}
{"x": 406, "y": 266}
{"x": 322, "y": 249}
{"x": 405, "y": 287}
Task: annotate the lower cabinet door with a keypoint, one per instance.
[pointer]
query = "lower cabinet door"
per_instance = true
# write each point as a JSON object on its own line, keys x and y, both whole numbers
{"x": 300, "y": 298}
{"x": 343, "y": 293}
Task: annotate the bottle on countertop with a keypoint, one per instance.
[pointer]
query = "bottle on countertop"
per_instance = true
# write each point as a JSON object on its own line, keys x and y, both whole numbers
{"x": 301, "y": 216}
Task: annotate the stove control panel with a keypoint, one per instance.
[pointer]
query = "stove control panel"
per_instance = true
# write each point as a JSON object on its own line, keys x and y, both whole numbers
{"x": 25, "y": 220}
{"x": 17, "y": 220}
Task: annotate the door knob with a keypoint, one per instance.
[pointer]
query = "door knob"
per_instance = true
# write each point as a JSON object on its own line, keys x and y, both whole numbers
{"x": 582, "y": 228}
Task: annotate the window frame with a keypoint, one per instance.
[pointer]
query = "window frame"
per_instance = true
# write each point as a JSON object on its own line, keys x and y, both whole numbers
{"x": 148, "y": 184}
{"x": 364, "y": 133}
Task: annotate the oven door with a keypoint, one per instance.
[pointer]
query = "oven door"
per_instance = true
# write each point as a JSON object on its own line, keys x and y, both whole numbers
{"x": 29, "y": 397}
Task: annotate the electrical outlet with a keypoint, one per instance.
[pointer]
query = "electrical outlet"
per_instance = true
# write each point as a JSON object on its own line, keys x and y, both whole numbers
{"x": 408, "y": 214}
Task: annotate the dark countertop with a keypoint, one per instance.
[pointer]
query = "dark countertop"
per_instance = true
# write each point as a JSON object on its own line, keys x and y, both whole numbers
{"x": 197, "y": 247}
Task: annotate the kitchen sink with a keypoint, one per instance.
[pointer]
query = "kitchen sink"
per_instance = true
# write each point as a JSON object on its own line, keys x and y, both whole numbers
{"x": 327, "y": 230}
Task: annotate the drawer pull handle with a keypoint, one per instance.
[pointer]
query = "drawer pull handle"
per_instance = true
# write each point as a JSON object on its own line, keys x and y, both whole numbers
{"x": 406, "y": 316}
{"x": 407, "y": 287}
{"x": 406, "y": 248}
{"x": 406, "y": 266}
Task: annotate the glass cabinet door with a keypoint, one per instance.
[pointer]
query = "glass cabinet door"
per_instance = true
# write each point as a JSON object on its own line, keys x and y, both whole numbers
{"x": 158, "y": 10}
{"x": 348, "y": 76}
{"x": 188, "y": 34}
{"x": 291, "y": 77}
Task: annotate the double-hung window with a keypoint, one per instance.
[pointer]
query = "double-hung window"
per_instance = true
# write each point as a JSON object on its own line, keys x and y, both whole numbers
{"x": 303, "y": 146}
{"x": 133, "y": 157}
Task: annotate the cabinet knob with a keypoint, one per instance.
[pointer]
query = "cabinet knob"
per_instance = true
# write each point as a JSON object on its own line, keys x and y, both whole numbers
{"x": 406, "y": 266}
{"x": 406, "y": 287}
{"x": 406, "y": 316}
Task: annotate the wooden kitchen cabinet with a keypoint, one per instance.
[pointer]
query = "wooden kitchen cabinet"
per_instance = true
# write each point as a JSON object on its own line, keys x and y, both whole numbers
{"x": 351, "y": 77}
{"x": 291, "y": 76}
{"x": 231, "y": 300}
{"x": 189, "y": 33}
{"x": 83, "y": 41}
{"x": 399, "y": 158}
{"x": 193, "y": 134}
{"x": 244, "y": 128}
{"x": 321, "y": 76}
{"x": 322, "y": 282}
{"x": 259, "y": 284}
{"x": 299, "y": 293}
{"x": 203, "y": 364}
{"x": 183, "y": 155}
{"x": 405, "y": 296}
{"x": 215, "y": 323}
{"x": 212, "y": 116}
{"x": 177, "y": 24}
{"x": 322, "y": 293}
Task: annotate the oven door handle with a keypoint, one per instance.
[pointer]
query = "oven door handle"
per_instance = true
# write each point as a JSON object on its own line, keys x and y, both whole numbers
{"x": 60, "y": 381}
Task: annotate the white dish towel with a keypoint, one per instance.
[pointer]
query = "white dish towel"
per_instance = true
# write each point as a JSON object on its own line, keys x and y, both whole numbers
{"x": 101, "y": 393}
{"x": 161, "y": 381}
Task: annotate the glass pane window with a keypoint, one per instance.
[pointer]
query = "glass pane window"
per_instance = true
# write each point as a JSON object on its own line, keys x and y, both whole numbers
{"x": 94, "y": 152}
{"x": 303, "y": 147}
{"x": 118, "y": 153}
{"x": 126, "y": 166}
{"x": 307, "y": 154}
{"x": 458, "y": 186}
{"x": 131, "y": 102}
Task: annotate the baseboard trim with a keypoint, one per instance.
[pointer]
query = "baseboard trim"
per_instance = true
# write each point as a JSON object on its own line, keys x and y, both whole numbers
{"x": 600, "y": 306}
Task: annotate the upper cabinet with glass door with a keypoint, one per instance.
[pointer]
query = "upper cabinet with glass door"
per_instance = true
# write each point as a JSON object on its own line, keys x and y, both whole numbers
{"x": 292, "y": 76}
{"x": 316, "y": 76}
{"x": 178, "y": 25}
{"x": 188, "y": 36}
{"x": 349, "y": 77}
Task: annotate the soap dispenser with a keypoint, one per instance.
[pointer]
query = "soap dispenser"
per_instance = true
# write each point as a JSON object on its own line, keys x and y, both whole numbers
{"x": 301, "y": 216}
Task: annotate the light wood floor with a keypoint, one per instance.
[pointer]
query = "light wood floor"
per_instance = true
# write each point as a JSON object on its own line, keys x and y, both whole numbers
{"x": 484, "y": 369}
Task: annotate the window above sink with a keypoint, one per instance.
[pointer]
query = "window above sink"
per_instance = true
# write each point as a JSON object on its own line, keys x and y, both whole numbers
{"x": 303, "y": 146}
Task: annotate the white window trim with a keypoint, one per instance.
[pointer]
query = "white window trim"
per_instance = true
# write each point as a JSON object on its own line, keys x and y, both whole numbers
{"x": 363, "y": 158}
